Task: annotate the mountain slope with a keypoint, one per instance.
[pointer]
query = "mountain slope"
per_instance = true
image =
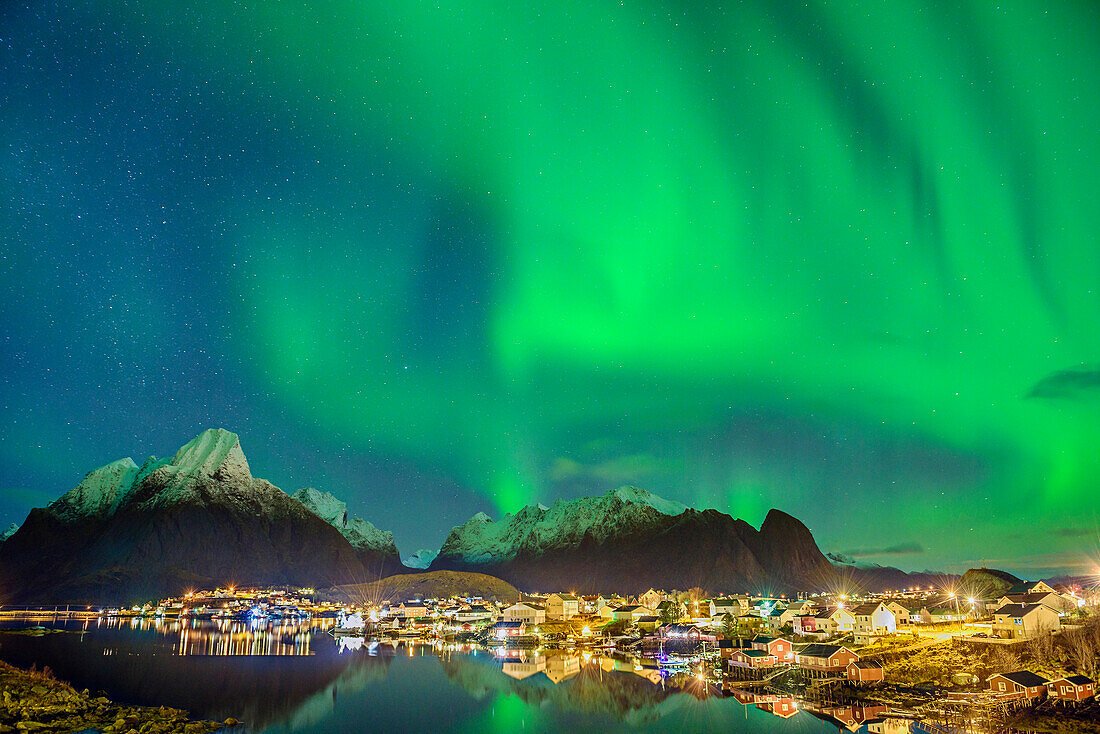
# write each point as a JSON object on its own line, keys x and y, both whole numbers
{"x": 128, "y": 533}
{"x": 628, "y": 540}
{"x": 433, "y": 584}
{"x": 362, "y": 535}
{"x": 987, "y": 583}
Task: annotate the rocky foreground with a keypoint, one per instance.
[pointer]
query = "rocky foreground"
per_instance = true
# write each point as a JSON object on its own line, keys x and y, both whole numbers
{"x": 35, "y": 701}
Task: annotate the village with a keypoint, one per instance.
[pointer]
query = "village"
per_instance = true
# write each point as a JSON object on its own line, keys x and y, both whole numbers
{"x": 918, "y": 653}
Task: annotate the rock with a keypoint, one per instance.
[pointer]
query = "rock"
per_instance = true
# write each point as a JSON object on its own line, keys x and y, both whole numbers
{"x": 231, "y": 721}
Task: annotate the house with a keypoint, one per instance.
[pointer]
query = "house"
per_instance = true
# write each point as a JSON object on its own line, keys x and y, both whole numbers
{"x": 562, "y": 667}
{"x": 1029, "y": 587}
{"x": 784, "y": 708}
{"x": 504, "y": 630}
{"x": 410, "y": 610}
{"x": 822, "y": 658}
{"x": 864, "y": 671}
{"x": 942, "y": 613}
{"x": 1072, "y": 688}
{"x": 474, "y": 613}
{"x": 780, "y": 647}
{"x": 788, "y": 615}
{"x": 805, "y": 626}
{"x": 872, "y": 620}
{"x": 1019, "y": 621}
{"x": 801, "y": 607}
{"x": 854, "y": 718}
{"x": 903, "y": 614}
{"x": 1051, "y": 599}
{"x": 647, "y": 623}
{"x": 522, "y": 666}
{"x": 752, "y": 658}
{"x": 1019, "y": 685}
{"x": 607, "y": 611}
{"x": 832, "y": 621}
{"x": 773, "y": 620}
{"x": 562, "y": 606}
{"x": 651, "y": 599}
{"x": 525, "y": 612}
{"x": 730, "y": 605}
{"x": 684, "y": 632}
{"x": 750, "y": 623}
{"x": 632, "y": 612}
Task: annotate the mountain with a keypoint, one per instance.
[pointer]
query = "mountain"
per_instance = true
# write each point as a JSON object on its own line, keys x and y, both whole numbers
{"x": 855, "y": 576}
{"x": 421, "y": 559}
{"x": 431, "y": 585}
{"x": 9, "y": 532}
{"x": 362, "y": 535}
{"x": 629, "y": 540}
{"x": 129, "y": 533}
{"x": 987, "y": 583}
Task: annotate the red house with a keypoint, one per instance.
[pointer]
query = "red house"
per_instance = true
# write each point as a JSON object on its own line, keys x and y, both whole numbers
{"x": 821, "y": 658}
{"x": 1022, "y": 684}
{"x": 784, "y": 708}
{"x": 776, "y": 646}
{"x": 504, "y": 630}
{"x": 865, "y": 671}
{"x": 1072, "y": 688}
{"x": 752, "y": 658}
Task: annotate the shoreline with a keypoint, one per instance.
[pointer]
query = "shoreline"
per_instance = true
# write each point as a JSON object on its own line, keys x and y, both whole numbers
{"x": 35, "y": 701}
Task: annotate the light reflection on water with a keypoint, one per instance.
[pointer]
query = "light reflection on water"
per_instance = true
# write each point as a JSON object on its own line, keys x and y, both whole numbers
{"x": 292, "y": 676}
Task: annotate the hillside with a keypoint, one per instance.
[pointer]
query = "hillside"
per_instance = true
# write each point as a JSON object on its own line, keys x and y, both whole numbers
{"x": 987, "y": 583}
{"x": 433, "y": 584}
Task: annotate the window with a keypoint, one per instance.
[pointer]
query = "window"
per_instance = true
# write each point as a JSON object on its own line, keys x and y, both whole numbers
{"x": 1001, "y": 686}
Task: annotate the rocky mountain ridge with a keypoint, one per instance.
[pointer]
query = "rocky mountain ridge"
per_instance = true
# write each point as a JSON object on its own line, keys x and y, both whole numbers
{"x": 199, "y": 519}
{"x": 628, "y": 540}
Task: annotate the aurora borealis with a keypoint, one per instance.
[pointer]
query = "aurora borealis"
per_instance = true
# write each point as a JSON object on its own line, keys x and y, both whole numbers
{"x": 437, "y": 258}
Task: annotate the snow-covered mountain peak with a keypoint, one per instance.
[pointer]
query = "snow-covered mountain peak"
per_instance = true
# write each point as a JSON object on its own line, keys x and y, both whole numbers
{"x": 535, "y": 528}
{"x": 324, "y": 505}
{"x": 641, "y": 496}
{"x": 99, "y": 492}
{"x": 216, "y": 453}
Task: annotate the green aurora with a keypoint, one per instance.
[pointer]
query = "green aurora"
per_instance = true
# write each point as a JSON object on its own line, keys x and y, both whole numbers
{"x": 837, "y": 258}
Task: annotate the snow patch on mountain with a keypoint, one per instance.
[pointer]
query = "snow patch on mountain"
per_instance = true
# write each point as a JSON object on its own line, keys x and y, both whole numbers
{"x": 841, "y": 560}
{"x": 537, "y": 528}
{"x": 359, "y": 532}
{"x": 642, "y": 496}
{"x": 363, "y": 534}
{"x": 324, "y": 505}
{"x": 421, "y": 559}
{"x": 100, "y": 492}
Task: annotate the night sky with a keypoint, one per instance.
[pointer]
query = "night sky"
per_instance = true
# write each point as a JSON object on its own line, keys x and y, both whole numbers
{"x": 842, "y": 259}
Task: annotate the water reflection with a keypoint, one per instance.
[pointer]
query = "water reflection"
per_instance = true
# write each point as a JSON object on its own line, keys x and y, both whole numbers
{"x": 293, "y": 676}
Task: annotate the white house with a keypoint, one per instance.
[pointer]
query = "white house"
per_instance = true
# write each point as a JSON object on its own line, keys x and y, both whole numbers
{"x": 562, "y": 606}
{"x": 525, "y": 612}
{"x": 873, "y": 620}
